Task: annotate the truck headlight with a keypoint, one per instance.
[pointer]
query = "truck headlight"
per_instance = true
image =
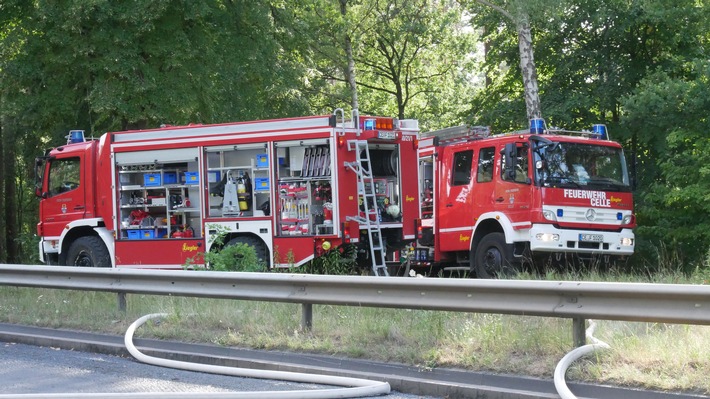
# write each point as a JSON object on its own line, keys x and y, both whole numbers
{"x": 547, "y": 237}
{"x": 626, "y": 241}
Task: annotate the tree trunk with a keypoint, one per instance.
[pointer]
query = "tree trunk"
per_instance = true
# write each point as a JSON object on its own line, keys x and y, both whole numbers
{"x": 4, "y": 234}
{"x": 527, "y": 67}
{"x": 10, "y": 206}
{"x": 350, "y": 70}
{"x": 3, "y": 177}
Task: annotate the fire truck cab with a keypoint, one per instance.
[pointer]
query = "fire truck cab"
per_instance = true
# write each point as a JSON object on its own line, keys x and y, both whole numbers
{"x": 492, "y": 202}
{"x": 293, "y": 189}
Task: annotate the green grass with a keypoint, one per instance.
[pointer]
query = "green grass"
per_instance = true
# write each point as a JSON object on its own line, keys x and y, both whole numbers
{"x": 653, "y": 356}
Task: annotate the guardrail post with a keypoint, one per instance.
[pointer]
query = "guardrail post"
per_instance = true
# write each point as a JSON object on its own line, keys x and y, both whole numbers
{"x": 306, "y": 316}
{"x": 579, "y": 336}
{"x": 122, "y": 301}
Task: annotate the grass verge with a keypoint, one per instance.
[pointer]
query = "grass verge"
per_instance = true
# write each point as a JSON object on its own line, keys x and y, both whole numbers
{"x": 651, "y": 356}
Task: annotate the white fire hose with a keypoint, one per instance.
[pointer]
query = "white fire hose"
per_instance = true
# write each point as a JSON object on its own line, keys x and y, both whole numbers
{"x": 356, "y": 387}
{"x": 571, "y": 357}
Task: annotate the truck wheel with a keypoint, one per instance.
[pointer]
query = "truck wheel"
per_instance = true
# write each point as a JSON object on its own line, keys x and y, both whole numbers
{"x": 88, "y": 252}
{"x": 259, "y": 247}
{"x": 491, "y": 259}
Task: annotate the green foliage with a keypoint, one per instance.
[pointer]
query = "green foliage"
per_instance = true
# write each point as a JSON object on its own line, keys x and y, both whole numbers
{"x": 239, "y": 257}
{"x": 411, "y": 58}
{"x": 589, "y": 54}
{"x": 674, "y": 207}
{"x": 337, "y": 261}
{"x": 640, "y": 66}
{"x": 234, "y": 258}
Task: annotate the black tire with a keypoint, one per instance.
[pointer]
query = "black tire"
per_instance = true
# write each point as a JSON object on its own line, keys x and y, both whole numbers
{"x": 262, "y": 253}
{"x": 88, "y": 252}
{"x": 491, "y": 258}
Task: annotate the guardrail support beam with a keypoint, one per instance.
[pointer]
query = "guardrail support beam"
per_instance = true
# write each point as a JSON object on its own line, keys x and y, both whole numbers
{"x": 306, "y": 316}
{"x": 579, "y": 332}
{"x": 121, "y": 301}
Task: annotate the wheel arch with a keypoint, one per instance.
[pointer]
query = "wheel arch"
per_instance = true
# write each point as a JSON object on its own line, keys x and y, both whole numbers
{"x": 230, "y": 236}
{"x": 83, "y": 228}
{"x": 486, "y": 226}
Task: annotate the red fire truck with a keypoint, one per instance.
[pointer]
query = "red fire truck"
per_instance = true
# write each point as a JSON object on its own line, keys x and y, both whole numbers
{"x": 291, "y": 188}
{"x": 490, "y": 202}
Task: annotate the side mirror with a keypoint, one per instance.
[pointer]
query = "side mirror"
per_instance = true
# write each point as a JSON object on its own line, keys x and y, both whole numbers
{"x": 511, "y": 159}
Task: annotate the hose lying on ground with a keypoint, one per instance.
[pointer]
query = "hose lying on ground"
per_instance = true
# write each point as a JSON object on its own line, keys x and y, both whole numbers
{"x": 356, "y": 387}
{"x": 571, "y": 357}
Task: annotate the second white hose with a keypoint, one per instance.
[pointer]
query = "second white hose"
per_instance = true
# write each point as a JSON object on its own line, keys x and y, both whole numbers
{"x": 571, "y": 357}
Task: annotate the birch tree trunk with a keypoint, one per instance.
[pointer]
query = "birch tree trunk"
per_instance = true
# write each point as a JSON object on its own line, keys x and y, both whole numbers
{"x": 527, "y": 61}
{"x": 527, "y": 67}
{"x": 350, "y": 70}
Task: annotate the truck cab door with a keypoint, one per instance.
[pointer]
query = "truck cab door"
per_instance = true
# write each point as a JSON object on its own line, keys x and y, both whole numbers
{"x": 456, "y": 207}
{"x": 63, "y": 196}
{"x": 513, "y": 192}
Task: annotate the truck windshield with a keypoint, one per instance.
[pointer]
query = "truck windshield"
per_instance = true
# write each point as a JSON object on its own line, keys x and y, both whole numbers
{"x": 577, "y": 165}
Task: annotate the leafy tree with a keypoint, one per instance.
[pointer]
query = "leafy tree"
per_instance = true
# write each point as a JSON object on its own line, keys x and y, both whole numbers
{"x": 407, "y": 55}
{"x": 518, "y": 13}
{"x": 674, "y": 209}
{"x": 102, "y": 66}
{"x": 589, "y": 55}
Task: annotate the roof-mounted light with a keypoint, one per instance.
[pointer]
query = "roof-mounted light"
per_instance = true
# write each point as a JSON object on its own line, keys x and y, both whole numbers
{"x": 600, "y": 132}
{"x": 537, "y": 125}
{"x": 371, "y": 123}
{"x": 75, "y": 136}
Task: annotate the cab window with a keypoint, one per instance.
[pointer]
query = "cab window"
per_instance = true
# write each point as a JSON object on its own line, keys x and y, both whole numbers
{"x": 484, "y": 173}
{"x": 462, "y": 168}
{"x": 521, "y": 166}
{"x": 63, "y": 175}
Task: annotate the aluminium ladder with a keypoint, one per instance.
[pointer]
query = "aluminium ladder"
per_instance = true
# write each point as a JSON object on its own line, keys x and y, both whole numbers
{"x": 366, "y": 190}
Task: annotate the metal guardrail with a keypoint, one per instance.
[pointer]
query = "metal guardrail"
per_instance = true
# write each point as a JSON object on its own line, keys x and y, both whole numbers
{"x": 666, "y": 303}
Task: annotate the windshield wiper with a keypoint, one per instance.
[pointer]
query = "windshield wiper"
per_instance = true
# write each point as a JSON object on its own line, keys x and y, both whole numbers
{"x": 560, "y": 181}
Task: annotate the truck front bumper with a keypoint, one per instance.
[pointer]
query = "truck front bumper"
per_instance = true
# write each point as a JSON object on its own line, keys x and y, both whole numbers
{"x": 548, "y": 238}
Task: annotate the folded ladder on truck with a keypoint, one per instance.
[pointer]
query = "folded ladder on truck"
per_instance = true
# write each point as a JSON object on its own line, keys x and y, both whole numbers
{"x": 366, "y": 190}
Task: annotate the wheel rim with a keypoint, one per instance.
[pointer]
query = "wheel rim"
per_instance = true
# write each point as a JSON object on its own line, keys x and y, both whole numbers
{"x": 493, "y": 261}
{"x": 83, "y": 260}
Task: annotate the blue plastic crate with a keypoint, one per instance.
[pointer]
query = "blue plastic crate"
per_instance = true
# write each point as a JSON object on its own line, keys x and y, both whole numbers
{"x": 147, "y": 234}
{"x": 192, "y": 178}
{"x": 151, "y": 179}
{"x": 170, "y": 178}
{"x": 262, "y": 160}
{"x": 134, "y": 234}
{"x": 261, "y": 184}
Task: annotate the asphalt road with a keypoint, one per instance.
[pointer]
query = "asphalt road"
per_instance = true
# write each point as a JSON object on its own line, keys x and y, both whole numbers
{"x": 44, "y": 370}
{"x": 98, "y": 356}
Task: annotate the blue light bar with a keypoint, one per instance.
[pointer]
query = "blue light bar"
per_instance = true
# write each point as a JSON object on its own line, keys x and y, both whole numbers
{"x": 369, "y": 124}
{"x": 75, "y": 136}
{"x": 537, "y": 125}
{"x": 600, "y": 131}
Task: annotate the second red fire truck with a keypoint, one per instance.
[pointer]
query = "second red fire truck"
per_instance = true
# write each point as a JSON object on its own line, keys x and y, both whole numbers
{"x": 491, "y": 202}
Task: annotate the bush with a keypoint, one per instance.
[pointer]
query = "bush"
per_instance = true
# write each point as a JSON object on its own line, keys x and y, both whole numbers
{"x": 337, "y": 261}
{"x": 240, "y": 257}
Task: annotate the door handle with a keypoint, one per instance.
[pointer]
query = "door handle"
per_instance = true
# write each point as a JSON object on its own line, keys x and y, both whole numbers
{"x": 449, "y": 205}
{"x": 500, "y": 199}
{"x": 79, "y": 207}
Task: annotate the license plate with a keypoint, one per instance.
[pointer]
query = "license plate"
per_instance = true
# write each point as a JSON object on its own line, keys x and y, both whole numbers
{"x": 387, "y": 135}
{"x": 591, "y": 237}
